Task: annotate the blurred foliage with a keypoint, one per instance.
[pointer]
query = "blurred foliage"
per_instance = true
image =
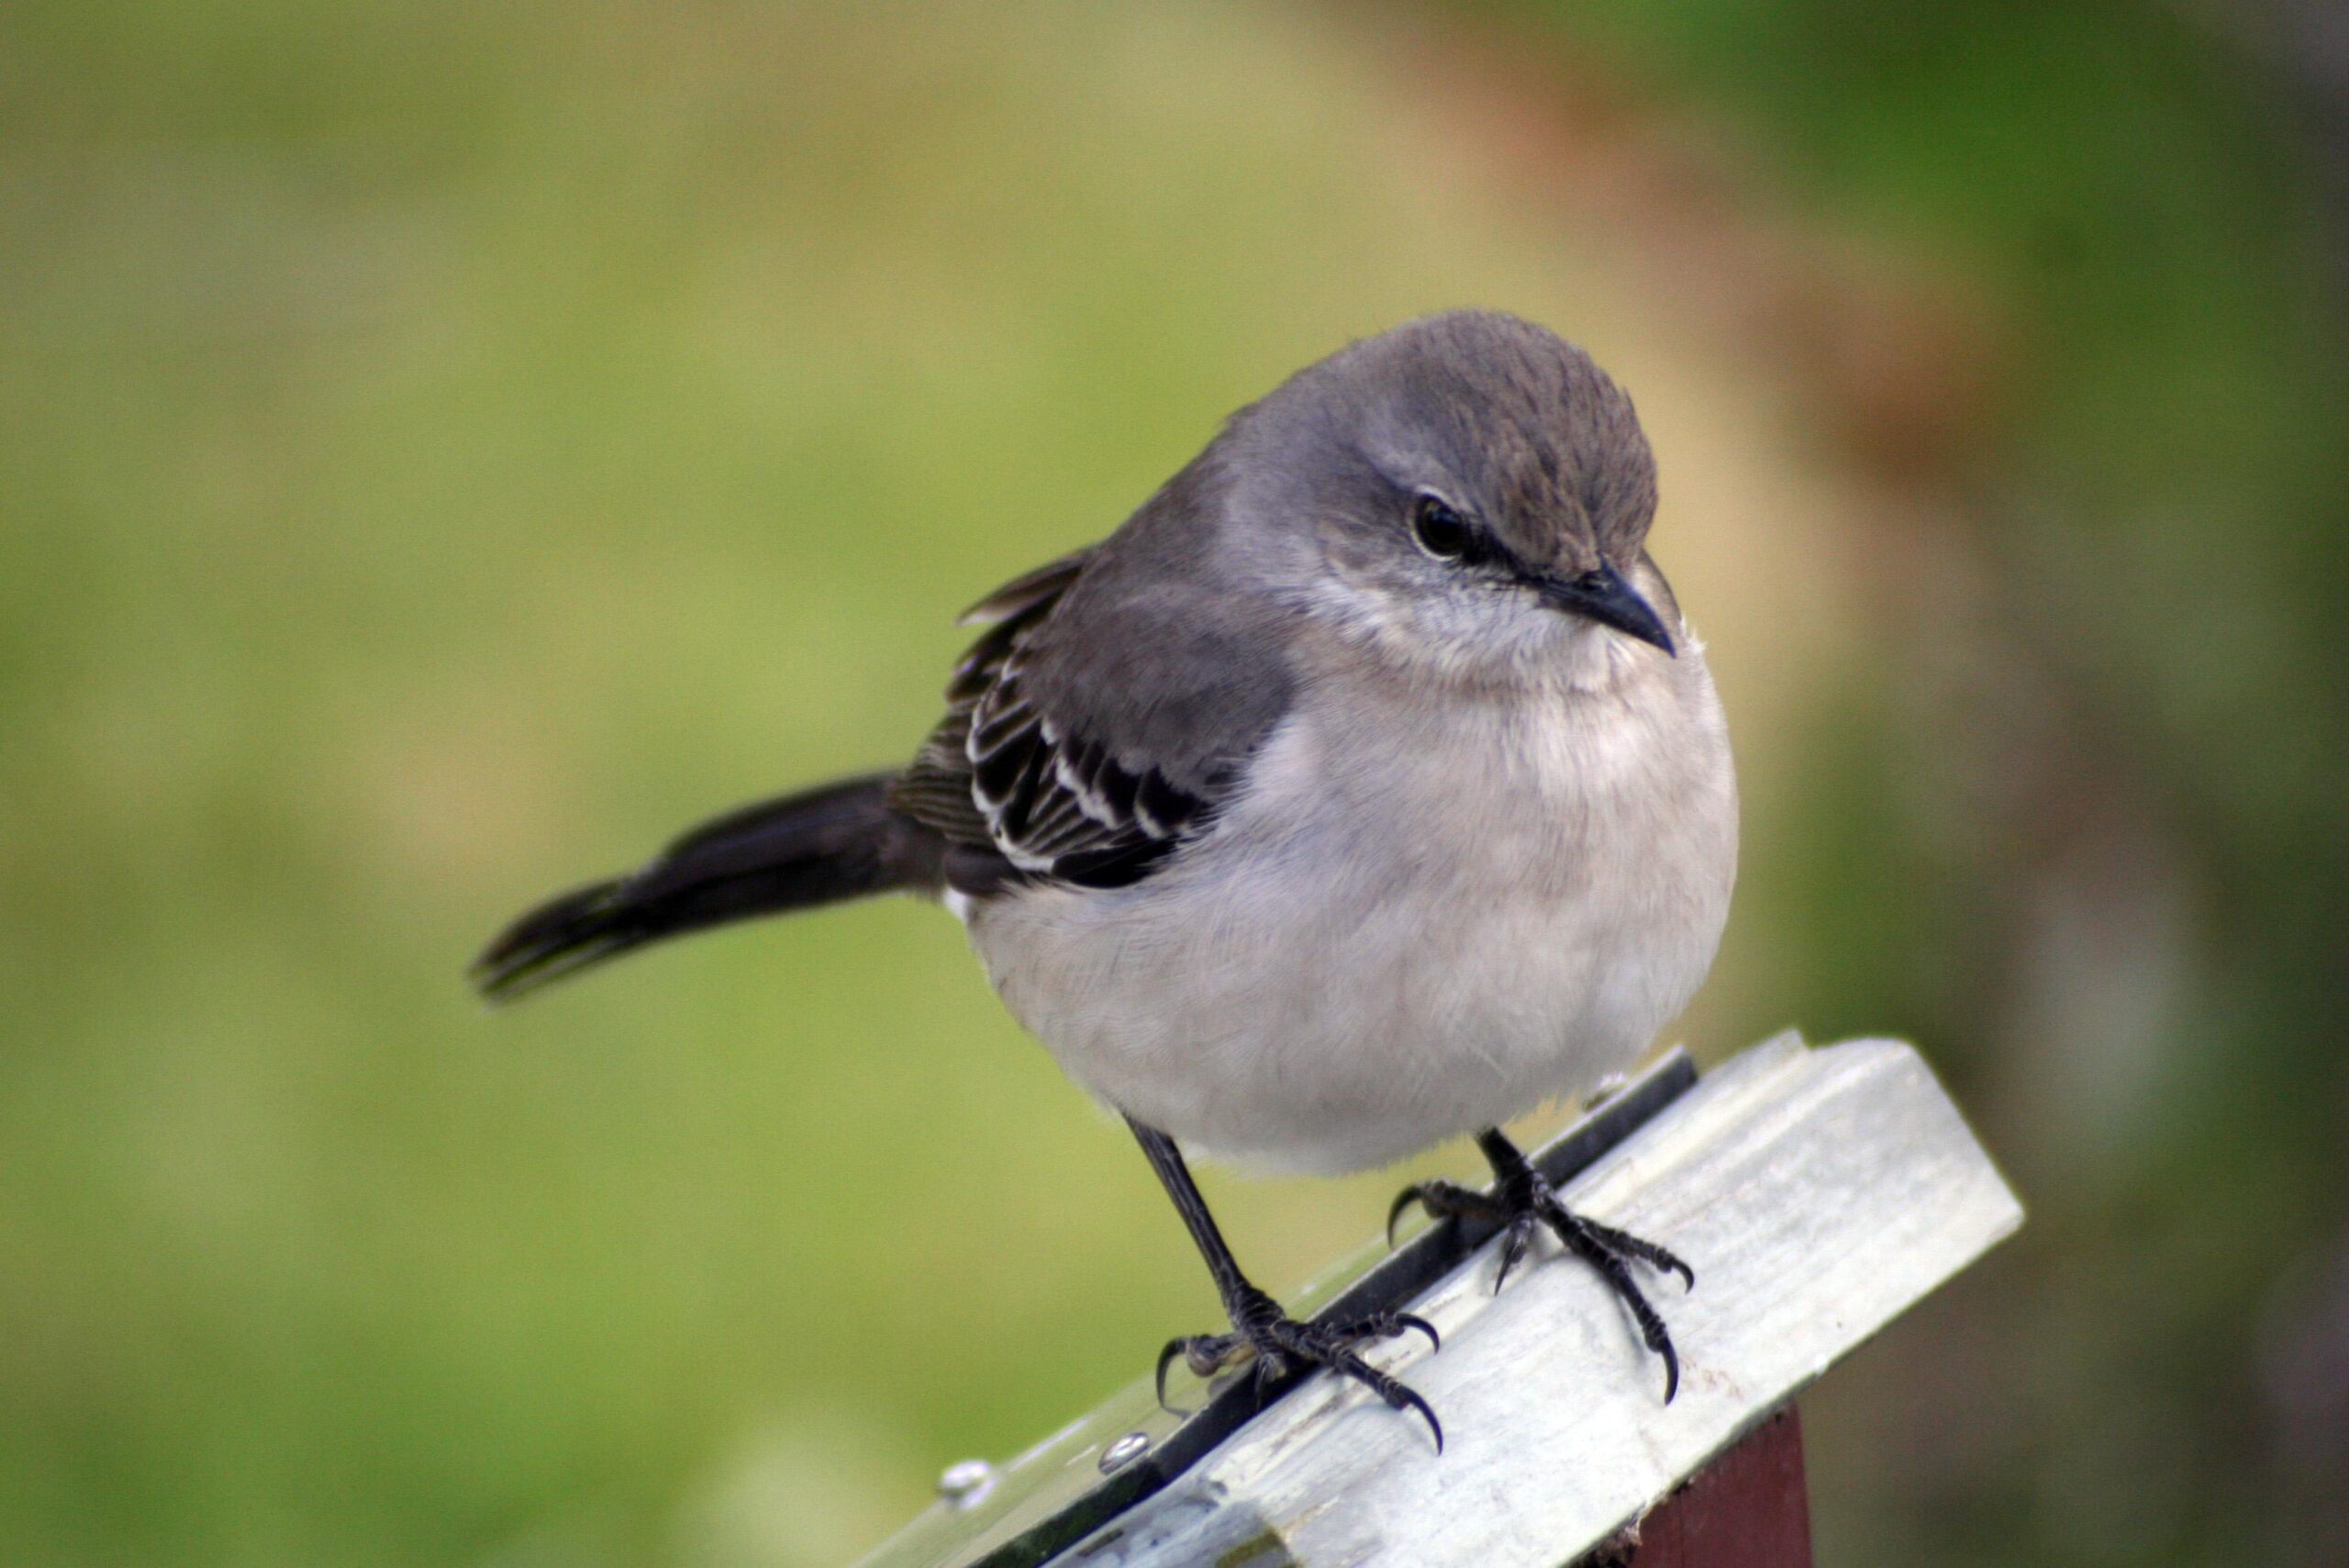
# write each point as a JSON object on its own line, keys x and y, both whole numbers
{"x": 443, "y": 449}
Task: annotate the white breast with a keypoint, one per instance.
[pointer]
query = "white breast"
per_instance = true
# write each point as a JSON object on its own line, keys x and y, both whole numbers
{"x": 1398, "y": 932}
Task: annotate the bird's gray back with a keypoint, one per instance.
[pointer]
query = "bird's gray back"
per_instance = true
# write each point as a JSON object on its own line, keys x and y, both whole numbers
{"x": 1167, "y": 651}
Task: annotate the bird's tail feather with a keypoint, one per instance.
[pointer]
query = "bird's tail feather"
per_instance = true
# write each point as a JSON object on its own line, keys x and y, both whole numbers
{"x": 840, "y": 842}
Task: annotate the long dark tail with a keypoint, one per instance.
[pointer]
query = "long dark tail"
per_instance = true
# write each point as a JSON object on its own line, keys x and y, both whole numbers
{"x": 841, "y": 841}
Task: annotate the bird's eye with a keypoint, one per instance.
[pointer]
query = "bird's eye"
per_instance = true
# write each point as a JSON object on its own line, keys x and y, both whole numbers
{"x": 1442, "y": 532}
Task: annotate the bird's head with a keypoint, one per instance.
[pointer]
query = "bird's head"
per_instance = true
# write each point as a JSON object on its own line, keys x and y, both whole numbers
{"x": 1468, "y": 491}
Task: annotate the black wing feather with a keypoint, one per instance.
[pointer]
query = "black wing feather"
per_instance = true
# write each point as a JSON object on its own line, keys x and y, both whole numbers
{"x": 996, "y": 773}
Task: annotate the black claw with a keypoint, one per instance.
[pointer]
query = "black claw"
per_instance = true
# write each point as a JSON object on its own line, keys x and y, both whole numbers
{"x": 1178, "y": 1347}
{"x": 1411, "y": 1320}
{"x": 1166, "y": 1358}
{"x": 1427, "y": 1414}
{"x": 1518, "y": 1236}
{"x": 1444, "y": 1200}
{"x": 1413, "y": 1193}
{"x": 1389, "y": 1389}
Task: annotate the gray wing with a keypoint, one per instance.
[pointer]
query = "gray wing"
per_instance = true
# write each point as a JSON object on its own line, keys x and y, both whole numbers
{"x": 1109, "y": 711}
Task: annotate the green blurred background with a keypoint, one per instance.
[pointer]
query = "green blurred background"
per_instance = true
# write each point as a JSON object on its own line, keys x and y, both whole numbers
{"x": 443, "y": 449}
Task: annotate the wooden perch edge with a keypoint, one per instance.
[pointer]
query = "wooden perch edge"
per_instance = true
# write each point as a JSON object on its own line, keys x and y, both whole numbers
{"x": 1817, "y": 1193}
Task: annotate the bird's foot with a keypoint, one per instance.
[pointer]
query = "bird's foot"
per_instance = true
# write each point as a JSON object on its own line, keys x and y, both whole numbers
{"x": 1276, "y": 1343}
{"x": 1521, "y": 1202}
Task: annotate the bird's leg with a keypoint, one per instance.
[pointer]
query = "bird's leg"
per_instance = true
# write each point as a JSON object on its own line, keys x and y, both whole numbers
{"x": 1261, "y": 1331}
{"x": 1521, "y": 1201}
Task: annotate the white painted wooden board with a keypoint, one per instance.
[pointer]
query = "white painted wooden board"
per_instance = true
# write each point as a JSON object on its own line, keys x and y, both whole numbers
{"x": 1818, "y": 1193}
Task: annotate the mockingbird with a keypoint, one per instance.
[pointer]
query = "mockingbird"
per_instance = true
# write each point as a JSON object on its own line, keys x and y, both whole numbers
{"x": 1364, "y": 789}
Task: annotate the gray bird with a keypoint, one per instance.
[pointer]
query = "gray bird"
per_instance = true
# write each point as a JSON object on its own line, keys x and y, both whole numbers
{"x": 1365, "y": 789}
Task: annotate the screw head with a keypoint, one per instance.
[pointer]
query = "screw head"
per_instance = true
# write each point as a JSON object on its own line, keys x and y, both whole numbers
{"x": 966, "y": 1482}
{"x": 1124, "y": 1452}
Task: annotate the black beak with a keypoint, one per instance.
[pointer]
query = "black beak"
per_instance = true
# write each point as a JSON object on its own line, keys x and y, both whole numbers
{"x": 1605, "y": 597}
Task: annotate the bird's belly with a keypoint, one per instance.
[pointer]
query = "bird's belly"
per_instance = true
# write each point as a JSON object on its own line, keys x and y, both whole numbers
{"x": 1352, "y": 986}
